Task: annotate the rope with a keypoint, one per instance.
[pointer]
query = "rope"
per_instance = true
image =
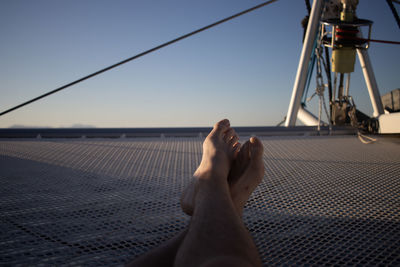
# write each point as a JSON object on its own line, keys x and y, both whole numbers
{"x": 396, "y": 16}
{"x": 279, "y": 124}
{"x": 320, "y": 88}
{"x": 354, "y": 122}
{"x": 139, "y": 55}
{"x": 366, "y": 139}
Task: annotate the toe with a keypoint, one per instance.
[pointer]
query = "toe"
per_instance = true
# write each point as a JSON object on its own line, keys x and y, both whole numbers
{"x": 236, "y": 149}
{"x": 222, "y": 126}
{"x": 237, "y": 146}
{"x": 256, "y": 148}
{"x": 256, "y": 154}
{"x": 233, "y": 140}
{"x": 229, "y": 134}
{"x": 244, "y": 153}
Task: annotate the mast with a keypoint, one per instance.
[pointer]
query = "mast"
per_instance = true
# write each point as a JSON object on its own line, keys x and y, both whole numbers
{"x": 343, "y": 35}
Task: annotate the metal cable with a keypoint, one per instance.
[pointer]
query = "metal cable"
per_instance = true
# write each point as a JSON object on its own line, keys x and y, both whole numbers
{"x": 309, "y": 73}
{"x": 139, "y": 55}
{"x": 379, "y": 41}
{"x": 320, "y": 88}
{"x": 393, "y": 9}
{"x": 329, "y": 77}
{"x": 371, "y": 40}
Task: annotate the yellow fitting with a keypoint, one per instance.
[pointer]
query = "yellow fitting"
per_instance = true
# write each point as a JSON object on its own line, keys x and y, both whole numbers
{"x": 346, "y": 16}
{"x": 343, "y": 59}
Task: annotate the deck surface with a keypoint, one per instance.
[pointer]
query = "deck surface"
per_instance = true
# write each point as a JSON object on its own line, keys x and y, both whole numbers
{"x": 323, "y": 201}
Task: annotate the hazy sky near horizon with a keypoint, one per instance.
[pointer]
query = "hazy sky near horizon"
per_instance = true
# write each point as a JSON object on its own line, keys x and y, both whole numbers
{"x": 243, "y": 70}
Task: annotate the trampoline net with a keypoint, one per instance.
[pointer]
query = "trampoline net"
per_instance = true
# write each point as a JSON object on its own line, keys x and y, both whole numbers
{"x": 323, "y": 200}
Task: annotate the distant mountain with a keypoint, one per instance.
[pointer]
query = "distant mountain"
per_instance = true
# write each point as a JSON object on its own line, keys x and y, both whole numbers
{"x": 76, "y": 125}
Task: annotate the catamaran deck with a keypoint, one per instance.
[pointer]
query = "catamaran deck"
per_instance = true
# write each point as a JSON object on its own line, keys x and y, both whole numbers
{"x": 325, "y": 200}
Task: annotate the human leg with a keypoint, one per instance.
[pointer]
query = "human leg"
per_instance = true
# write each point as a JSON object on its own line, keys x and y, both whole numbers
{"x": 164, "y": 255}
{"x": 217, "y": 235}
{"x": 245, "y": 173}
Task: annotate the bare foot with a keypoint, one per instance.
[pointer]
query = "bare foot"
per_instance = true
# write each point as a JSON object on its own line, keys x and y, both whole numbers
{"x": 246, "y": 173}
{"x": 219, "y": 150}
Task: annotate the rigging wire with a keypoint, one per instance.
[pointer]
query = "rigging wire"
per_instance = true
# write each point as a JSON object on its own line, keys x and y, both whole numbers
{"x": 369, "y": 40}
{"x": 378, "y": 41}
{"x": 329, "y": 78}
{"x": 310, "y": 72}
{"x": 320, "y": 86}
{"x": 393, "y": 9}
{"x": 139, "y": 55}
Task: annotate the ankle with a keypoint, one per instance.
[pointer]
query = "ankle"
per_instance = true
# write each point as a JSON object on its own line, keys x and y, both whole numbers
{"x": 212, "y": 181}
{"x": 210, "y": 171}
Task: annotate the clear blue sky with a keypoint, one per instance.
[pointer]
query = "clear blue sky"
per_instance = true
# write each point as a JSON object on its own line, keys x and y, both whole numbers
{"x": 243, "y": 70}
